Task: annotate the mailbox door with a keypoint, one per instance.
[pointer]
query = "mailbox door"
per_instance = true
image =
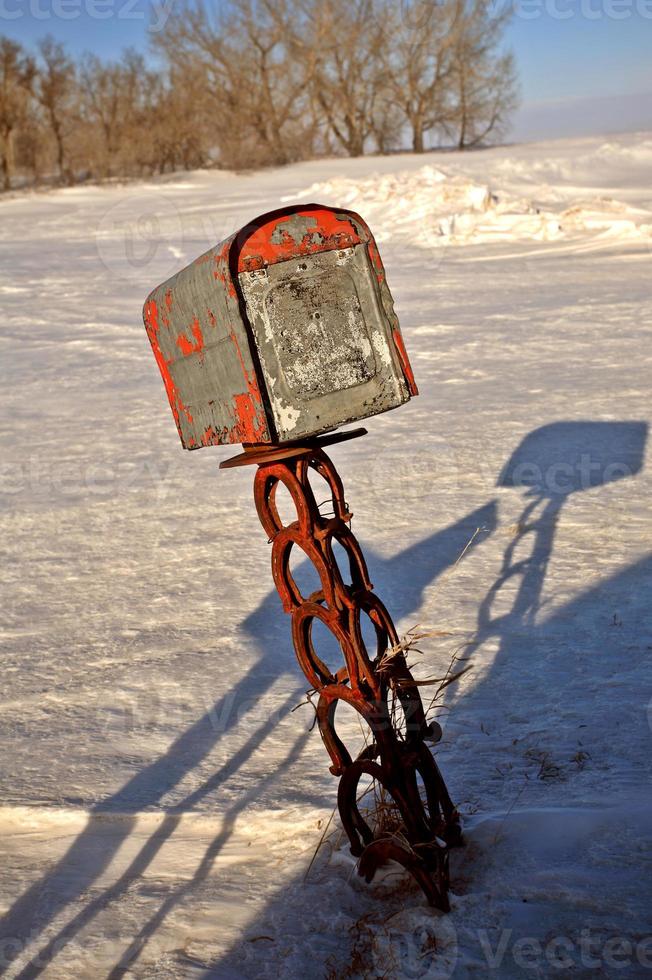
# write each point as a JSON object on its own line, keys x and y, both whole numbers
{"x": 324, "y": 341}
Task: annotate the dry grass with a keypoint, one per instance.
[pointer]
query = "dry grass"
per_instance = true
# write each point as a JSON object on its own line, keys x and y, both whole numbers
{"x": 376, "y": 804}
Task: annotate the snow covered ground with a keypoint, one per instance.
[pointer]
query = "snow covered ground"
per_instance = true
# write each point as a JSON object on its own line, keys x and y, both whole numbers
{"x": 160, "y": 802}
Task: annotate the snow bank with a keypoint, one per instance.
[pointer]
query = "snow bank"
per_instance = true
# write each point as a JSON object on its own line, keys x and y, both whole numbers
{"x": 451, "y": 209}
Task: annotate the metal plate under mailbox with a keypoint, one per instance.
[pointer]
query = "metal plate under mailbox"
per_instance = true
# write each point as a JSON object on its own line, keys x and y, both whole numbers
{"x": 324, "y": 339}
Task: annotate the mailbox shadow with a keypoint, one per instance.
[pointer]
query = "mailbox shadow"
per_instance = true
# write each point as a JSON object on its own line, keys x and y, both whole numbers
{"x": 76, "y": 872}
{"x": 551, "y": 464}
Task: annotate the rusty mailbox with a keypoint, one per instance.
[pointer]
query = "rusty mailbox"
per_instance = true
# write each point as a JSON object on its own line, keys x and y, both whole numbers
{"x": 284, "y": 331}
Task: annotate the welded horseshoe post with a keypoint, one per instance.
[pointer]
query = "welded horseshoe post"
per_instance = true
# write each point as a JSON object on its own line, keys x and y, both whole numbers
{"x": 274, "y": 339}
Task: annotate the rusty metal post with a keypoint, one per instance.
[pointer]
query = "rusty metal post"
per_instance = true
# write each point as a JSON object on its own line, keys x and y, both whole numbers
{"x": 378, "y": 684}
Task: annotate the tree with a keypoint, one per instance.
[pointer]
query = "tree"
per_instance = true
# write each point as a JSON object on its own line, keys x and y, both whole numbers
{"x": 250, "y": 83}
{"x": 55, "y": 89}
{"x": 483, "y": 79}
{"x": 339, "y": 43}
{"x": 111, "y": 101}
{"x": 174, "y": 119}
{"x": 253, "y": 92}
{"x": 32, "y": 147}
{"x": 418, "y": 64}
{"x": 17, "y": 71}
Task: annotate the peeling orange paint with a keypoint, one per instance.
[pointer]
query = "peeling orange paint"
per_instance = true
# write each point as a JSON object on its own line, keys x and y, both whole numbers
{"x": 251, "y": 425}
{"x": 186, "y": 346}
{"x": 376, "y": 260}
{"x": 329, "y": 231}
{"x": 209, "y": 436}
{"x": 222, "y": 270}
{"x": 152, "y": 326}
{"x": 405, "y": 362}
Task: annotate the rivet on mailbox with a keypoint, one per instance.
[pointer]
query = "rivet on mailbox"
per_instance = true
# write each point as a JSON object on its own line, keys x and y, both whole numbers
{"x": 280, "y": 334}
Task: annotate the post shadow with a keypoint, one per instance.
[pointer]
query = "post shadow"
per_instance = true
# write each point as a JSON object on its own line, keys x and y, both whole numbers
{"x": 413, "y": 569}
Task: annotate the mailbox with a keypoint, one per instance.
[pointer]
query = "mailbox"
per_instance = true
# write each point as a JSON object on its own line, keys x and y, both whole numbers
{"x": 284, "y": 331}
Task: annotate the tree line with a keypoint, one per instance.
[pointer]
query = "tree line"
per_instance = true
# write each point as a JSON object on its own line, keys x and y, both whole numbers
{"x": 253, "y": 83}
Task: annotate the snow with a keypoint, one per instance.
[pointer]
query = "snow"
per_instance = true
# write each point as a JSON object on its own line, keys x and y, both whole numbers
{"x": 161, "y": 803}
{"x": 450, "y": 209}
{"x": 460, "y": 207}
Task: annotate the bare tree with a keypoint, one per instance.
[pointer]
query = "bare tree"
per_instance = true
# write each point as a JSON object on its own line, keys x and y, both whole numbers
{"x": 111, "y": 101}
{"x": 483, "y": 79}
{"x": 249, "y": 83}
{"x": 33, "y": 147}
{"x": 418, "y": 64}
{"x": 387, "y": 123}
{"x": 174, "y": 118}
{"x": 16, "y": 76}
{"x": 254, "y": 92}
{"x": 339, "y": 44}
{"x": 101, "y": 107}
{"x": 55, "y": 90}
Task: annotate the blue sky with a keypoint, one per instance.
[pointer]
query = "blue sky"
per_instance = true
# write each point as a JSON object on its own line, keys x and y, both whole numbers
{"x": 584, "y": 65}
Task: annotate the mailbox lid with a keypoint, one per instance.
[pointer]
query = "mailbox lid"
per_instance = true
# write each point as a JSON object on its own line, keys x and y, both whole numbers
{"x": 324, "y": 340}
{"x": 322, "y": 318}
